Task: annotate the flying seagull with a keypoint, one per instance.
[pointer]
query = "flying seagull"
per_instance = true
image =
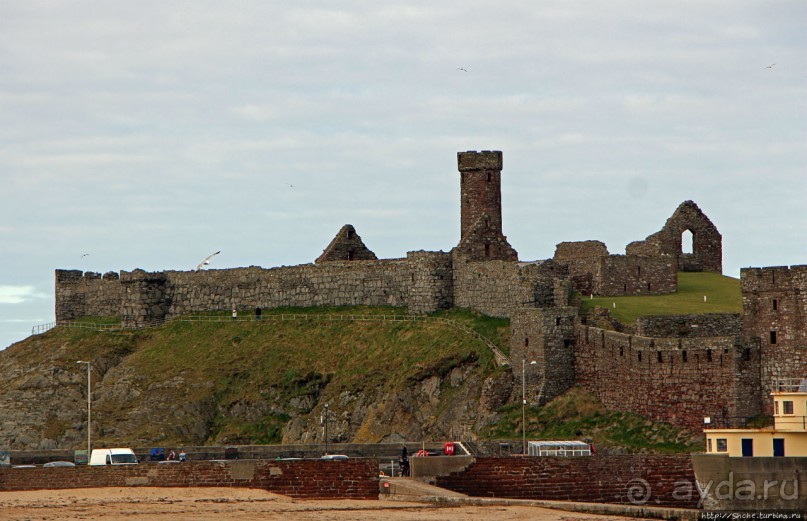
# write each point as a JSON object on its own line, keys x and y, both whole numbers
{"x": 290, "y": 185}
{"x": 206, "y": 261}
{"x": 461, "y": 69}
{"x": 84, "y": 255}
{"x": 770, "y": 66}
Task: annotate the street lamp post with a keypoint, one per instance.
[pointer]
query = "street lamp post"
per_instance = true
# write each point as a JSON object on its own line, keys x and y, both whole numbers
{"x": 524, "y": 404}
{"x": 325, "y": 421}
{"x": 89, "y": 409}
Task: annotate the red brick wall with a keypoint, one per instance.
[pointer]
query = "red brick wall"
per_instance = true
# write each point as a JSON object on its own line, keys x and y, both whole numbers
{"x": 628, "y": 479}
{"x": 352, "y": 479}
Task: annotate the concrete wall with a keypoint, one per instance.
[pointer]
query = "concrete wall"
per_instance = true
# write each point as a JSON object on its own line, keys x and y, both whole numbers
{"x": 312, "y": 479}
{"x": 742, "y": 484}
{"x": 629, "y": 479}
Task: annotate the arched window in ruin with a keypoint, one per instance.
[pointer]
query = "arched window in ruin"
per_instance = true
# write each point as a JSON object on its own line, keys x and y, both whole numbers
{"x": 687, "y": 242}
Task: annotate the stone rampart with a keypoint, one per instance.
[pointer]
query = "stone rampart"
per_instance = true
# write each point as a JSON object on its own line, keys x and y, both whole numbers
{"x": 308, "y": 479}
{"x": 87, "y": 294}
{"x": 627, "y": 479}
{"x": 666, "y": 379}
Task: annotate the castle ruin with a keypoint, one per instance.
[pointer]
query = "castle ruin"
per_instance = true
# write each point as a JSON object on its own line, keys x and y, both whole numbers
{"x": 675, "y": 369}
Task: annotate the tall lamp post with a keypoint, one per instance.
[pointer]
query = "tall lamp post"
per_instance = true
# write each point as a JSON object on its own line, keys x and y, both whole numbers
{"x": 325, "y": 422}
{"x": 89, "y": 409}
{"x": 524, "y": 404}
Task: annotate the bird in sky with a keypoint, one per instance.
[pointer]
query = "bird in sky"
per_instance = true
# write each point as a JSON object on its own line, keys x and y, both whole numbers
{"x": 290, "y": 185}
{"x": 84, "y": 255}
{"x": 206, "y": 261}
{"x": 461, "y": 69}
{"x": 770, "y": 66}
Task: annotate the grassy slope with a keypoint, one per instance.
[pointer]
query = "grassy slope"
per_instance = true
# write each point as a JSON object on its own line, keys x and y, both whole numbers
{"x": 577, "y": 414}
{"x": 722, "y": 296}
{"x": 227, "y": 362}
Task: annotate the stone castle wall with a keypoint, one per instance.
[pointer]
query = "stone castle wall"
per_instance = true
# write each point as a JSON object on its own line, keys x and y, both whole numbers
{"x": 675, "y": 380}
{"x": 87, "y": 294}
{"x": 499, "y": 287}
{"x": 775, "y": 319}
{"x": 690, "y": 326}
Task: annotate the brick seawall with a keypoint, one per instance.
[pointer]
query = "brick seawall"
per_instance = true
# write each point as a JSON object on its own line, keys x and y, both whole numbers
{"x": 651, "y": 480}
{"x": 315, "y": 479}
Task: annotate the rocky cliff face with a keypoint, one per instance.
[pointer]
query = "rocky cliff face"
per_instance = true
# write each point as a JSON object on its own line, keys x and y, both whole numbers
{"x": 43, "y": 402}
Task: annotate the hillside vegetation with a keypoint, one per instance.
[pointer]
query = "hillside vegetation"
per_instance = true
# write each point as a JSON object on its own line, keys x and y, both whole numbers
{"x": 722, "y": 294}
{"x": 211, "y": 380}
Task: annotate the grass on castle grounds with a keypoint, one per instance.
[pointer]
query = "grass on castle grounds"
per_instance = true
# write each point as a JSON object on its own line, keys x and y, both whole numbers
{"x": 722, "y": 294}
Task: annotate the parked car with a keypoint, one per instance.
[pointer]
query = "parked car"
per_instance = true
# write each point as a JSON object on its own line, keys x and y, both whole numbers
{"x": 59, "y": 464}
{"x": 335, "y": 457}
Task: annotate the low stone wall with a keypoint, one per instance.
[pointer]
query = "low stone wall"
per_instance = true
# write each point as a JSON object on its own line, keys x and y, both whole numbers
{"x": 626, "y": 479}
{"x": 309, "y": 479}
{"x": 691, "y": 326}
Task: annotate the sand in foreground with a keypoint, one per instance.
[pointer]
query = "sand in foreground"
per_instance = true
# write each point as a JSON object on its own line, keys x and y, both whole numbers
{"x": 142, "y": 503}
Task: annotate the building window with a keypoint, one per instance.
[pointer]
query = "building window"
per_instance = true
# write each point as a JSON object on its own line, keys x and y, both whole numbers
{"x": 684, "y": 356}
{"x": 557, "y": 321}
{"x": 787, "y": 407}
{"x": 638, "y": 271}
{"x": 773, "y": 337}
{"x": 775, "y": 408}
{"x": 350, "y": 234}
{"x": 746, "y": 354}
{"x": 621, "y": 351}
{"x": 709, "y": 355}
{"x": 659, "y": 357}
{"x": 775, "y": 304}
{"x": 526, "y": 342}
{"x": 487, "y": 249}
{"x": 640, "y": 356}
{"x": 722, "y": 445}
{"x": 709, "y": 445}
{"x": 351, "y": 255}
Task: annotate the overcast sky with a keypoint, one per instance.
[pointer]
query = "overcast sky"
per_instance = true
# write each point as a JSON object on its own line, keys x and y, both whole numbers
{"x": 150, "y": 134}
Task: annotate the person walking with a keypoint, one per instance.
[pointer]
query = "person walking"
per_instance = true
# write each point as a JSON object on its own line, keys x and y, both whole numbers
{"x": 235, "y": 313}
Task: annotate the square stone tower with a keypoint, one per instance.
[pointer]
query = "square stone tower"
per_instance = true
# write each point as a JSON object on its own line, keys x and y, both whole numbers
{"x": 481, "y": 236}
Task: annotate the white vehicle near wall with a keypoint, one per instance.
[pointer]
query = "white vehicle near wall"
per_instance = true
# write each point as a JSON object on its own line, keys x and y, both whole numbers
{"x": 120, "y": 456}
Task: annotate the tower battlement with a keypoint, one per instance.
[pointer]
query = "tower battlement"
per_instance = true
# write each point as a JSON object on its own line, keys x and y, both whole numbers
{"x": 484, "y": 160}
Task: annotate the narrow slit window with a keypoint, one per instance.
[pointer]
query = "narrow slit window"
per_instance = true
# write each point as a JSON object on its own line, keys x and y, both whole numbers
{"x": 776, "y": 304}
{"x": 659, "y": 357}
{"x": 773, "y": 337}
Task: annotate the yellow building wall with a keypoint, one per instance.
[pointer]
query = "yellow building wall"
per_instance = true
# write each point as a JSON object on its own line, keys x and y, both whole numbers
{"x": 795, "y": 442}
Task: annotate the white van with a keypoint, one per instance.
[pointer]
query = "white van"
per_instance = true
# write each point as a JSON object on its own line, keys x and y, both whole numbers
{"x": 113, "y": 457}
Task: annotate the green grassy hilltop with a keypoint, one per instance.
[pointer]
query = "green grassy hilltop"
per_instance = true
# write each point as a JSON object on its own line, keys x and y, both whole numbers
{"x": 722, "y": 296}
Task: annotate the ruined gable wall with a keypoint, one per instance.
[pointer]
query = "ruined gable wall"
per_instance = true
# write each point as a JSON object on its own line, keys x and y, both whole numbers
{"x": 707, "y": 243}
{"x": 668, "y": 379}
{"x": 775, "y": 302}
{"x": 86, "y": 294}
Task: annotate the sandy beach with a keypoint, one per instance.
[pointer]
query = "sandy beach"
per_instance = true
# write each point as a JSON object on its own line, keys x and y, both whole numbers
{"x": 145, "y": 503}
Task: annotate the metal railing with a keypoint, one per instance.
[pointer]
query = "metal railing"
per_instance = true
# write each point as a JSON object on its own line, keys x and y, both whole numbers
{"x": 500, "y": 357}
{"x": 790, "y": 385}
